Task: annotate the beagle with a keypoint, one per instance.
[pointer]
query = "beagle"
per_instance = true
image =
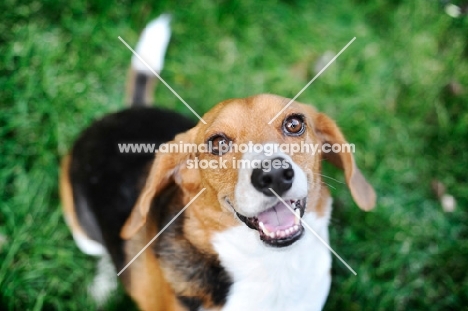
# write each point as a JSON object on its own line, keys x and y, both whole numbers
{"x": 237, "y": 246}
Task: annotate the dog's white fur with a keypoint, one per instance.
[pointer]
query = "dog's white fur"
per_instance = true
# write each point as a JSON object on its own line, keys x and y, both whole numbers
{"x": 152, "y": 45}
{"x": 105, "y": 278}
{"x": 88, "y": 246}
{"x": 267, "y": 278}
{"x": 105, "y": 281}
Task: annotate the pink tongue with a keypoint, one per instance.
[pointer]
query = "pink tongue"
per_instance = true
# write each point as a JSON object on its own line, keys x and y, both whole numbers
{"x": 278, "y": 217}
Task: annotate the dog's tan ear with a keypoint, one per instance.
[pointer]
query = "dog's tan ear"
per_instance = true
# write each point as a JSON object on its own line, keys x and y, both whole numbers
{"x": 327, "y": 130}
{"x": 167, "y": 168}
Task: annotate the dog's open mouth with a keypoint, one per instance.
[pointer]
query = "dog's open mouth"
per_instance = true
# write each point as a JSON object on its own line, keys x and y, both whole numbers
{"x": 278, "y": 226}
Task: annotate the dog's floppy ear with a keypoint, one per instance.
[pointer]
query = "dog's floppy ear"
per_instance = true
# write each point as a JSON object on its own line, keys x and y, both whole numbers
{"x": 167, "y": 168}
{"x": 327, "y": 130}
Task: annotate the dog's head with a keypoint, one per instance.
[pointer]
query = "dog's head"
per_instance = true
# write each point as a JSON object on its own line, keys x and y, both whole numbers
{"x": 252, "y": 168}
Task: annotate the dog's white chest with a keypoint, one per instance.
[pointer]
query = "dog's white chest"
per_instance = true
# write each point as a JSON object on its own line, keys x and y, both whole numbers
{"x": 296, "y": 277}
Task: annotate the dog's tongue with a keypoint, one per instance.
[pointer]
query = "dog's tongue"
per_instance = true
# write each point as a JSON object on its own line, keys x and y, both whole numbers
{"x": 278, "y": 217}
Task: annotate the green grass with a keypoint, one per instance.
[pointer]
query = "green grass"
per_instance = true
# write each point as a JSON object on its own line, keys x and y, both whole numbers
{"x": 62, "y": 66}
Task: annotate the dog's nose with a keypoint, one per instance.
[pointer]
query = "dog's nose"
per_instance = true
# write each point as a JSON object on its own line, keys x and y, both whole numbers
{"x": 276, "y": 174}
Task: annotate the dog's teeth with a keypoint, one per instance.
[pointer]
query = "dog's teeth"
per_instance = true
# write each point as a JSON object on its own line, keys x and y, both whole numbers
{"x": 265, "y": 230}
{"x": 280, "y": 233}
{"x": 298, "y": 216}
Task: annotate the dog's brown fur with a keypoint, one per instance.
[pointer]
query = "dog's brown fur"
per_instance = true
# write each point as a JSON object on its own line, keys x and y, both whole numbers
{"x": 243, "y": 120}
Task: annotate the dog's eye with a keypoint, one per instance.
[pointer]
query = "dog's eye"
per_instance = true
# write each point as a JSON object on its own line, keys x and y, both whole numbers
{"x": 219, "y": 144}
{"x": 294, "y": 125}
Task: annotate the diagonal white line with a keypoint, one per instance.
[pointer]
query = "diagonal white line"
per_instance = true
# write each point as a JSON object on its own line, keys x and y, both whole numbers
{"x": 159, "y": 77}
{"x": 313, "y": 231}
{"x": 160, "y": 232}
{"x": 313, "y": 79}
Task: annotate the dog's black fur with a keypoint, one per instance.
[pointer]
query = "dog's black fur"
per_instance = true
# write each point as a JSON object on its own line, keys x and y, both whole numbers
{"x": 107, "y": 183}
{"x": 176, "y": 253}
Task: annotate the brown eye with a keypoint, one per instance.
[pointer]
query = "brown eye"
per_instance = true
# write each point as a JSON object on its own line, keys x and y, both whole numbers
{"x": 219, "y": 144}
{"x": 294, "y": 125}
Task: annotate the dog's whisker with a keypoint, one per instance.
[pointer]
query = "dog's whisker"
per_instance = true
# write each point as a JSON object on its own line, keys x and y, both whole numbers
{"x": 338, "y": 181}
{"x": 327, "y": 184}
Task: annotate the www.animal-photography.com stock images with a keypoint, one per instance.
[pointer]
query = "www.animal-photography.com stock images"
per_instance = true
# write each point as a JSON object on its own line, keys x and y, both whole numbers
{"x": 234, "y": 155}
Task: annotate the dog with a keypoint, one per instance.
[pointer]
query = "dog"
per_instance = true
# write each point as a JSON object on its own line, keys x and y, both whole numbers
{"x": 234, "y": 238}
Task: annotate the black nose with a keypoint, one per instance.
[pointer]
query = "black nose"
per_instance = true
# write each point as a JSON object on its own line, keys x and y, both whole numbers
{"x": 276, "y": 174}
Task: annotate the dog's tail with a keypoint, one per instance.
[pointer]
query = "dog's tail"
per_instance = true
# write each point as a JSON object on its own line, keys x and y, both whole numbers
{"x": 151, "y": 49}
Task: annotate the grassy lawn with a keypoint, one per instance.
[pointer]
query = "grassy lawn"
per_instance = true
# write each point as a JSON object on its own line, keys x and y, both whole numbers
{"x": 394, "y": 92}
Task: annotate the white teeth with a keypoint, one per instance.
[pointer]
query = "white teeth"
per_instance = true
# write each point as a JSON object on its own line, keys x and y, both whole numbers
{"x": 265, "y": 230}
{"x": 279, "y": 233}
{"x": 284, "y": 233}
{"x": 298, "y": 216}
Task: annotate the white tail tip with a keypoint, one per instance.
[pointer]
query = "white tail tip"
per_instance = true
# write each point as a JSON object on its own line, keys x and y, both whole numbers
{"x": 152, "y": 45}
